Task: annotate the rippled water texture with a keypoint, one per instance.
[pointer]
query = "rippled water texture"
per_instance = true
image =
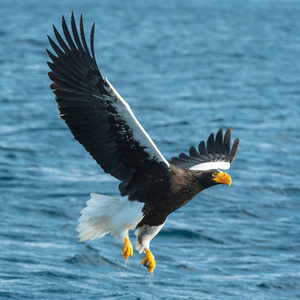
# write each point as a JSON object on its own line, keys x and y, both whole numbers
{"x": 186, "y": 68}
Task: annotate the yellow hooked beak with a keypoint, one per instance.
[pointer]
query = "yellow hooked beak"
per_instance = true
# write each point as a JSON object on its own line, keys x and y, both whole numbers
{"x": 222, "y": 178}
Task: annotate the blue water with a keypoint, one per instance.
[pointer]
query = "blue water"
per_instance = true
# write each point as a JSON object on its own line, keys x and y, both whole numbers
{"x": 186, "y": 68}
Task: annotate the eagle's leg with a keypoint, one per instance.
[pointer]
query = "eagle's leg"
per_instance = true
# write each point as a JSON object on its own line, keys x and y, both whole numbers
{"x": 149, "y": 261}
{"x": 127, "y": 249}
{"x": 145, "y": 234}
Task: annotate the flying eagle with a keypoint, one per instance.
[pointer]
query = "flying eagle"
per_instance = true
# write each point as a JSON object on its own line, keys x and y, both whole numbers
{"x": 101, "y": 120}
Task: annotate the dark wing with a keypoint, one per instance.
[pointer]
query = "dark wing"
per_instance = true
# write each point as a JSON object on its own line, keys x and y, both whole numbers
{"x": 94, "y": 111}
{"x": 216, "y": 154}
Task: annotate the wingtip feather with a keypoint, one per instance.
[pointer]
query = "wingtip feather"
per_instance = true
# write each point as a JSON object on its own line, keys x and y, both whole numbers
{"x": 234, "y": 150}
{"x": 215, "y": 150}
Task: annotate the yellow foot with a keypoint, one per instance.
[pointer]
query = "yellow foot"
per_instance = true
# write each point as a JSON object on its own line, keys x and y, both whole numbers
{"x": 128, "y": 249}
{"x": 149, "y": 261}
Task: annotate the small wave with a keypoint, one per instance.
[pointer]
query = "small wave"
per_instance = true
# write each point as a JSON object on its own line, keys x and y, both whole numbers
{"x": 288, "y": 191}
{"x": 7, "y": 178}
{"x": 15, "y": 259}
{"x": 92, "y": 259}
{"x": 11, "y": 295}
{"x": 52, "y": 213}
{"x": 243, "y": 212}
{"x": 188, "y": 234}
{"x": 55, "y": 274}
{"x": 180, "y": 233}
{"x": 185, "y": 267}
{"x": 280, "y": 285}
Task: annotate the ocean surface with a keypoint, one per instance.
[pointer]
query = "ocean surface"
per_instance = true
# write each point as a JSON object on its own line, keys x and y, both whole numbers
{"x": 187, "y": 68}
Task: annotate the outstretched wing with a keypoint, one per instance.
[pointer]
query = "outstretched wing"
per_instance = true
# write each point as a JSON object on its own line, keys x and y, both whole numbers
{"x": 216, "y": 154}
{"x": 94, "y": 111}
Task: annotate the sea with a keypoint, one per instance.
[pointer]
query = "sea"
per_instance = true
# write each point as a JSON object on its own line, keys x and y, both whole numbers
{"x": 186, "y": 68}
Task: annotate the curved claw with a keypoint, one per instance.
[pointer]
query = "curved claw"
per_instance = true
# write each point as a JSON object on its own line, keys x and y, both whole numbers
{"x": 149, "y": 261}
{"x": 127, "y": 249}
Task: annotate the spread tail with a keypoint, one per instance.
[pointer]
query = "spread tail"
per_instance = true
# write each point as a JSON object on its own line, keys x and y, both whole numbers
{"x": 105, "y": 215}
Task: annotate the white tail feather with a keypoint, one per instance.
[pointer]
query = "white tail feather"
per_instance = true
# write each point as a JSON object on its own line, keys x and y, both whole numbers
{"x": 105, "y": 215}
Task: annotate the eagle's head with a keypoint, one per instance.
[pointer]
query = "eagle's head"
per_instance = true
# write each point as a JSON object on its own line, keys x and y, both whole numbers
{"x": 213, "y": 177}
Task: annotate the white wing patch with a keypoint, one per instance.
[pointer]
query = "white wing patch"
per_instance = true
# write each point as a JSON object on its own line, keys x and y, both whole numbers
{"x": 223, "y": 165}
{"x": 138, "y": 131}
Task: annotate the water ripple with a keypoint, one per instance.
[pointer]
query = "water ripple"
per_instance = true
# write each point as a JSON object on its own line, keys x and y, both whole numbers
{"x": 187, "y": 68}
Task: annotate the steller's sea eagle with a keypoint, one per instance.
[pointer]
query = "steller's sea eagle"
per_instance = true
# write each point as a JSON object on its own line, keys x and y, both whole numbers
{"x": 101, "y": 120}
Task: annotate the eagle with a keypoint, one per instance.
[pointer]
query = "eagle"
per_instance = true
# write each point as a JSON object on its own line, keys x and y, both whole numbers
{"x": 151, "y": 187}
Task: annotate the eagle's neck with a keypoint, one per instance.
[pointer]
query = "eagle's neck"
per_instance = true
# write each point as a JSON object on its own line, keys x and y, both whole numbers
{"x": 186, "y": 184}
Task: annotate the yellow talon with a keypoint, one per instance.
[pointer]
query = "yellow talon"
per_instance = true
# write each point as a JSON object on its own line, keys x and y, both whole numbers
{"x": 128, "y": 249}
{"x": 149, "y": 261}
